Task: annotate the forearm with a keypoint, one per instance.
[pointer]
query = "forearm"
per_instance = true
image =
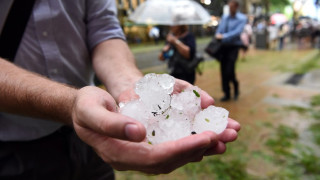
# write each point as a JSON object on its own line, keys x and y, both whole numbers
{"x": 115, "y": 66}
{"x": 26, "y": 93}
{"x": 183, "y": 49}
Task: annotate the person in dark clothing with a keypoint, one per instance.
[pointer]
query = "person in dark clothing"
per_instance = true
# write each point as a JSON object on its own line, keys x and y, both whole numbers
{"x": 229, "y": 32}
{"x": 180, "y": 48}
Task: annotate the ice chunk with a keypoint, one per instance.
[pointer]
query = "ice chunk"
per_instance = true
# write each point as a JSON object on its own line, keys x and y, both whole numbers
{"x": 136, "y": 110}
{"x": 169, "y": 128}
{"x": 168, "y": 116}
{"x": 211, "y": 119}
{"x": 153, "y": 83}
{"x": 188, "y": 101}
{"x": 155, "y": 91}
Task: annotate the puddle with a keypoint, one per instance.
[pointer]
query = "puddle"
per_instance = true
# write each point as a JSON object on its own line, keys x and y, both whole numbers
{"x": 294, "y": 79}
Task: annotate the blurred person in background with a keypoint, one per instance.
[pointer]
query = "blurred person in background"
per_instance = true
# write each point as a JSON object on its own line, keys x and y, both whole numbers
{"x": 229, "y": 31}
{"x": 282, "y": 33}
{"x": 180, "y": 49}
{"x": 154, "y": 34}
{"x": 273, "y": 34}
{"x": 246, "y": 38}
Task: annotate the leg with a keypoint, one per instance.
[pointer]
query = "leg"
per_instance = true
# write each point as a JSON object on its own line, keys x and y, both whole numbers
{"x": 224, "y": 74}
{"x": 231, "y": 74}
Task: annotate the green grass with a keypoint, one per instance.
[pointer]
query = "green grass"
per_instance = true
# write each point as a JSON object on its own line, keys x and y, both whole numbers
{"x": 315, "y": 100}
{"x": 315, "y": 129}
{"x": 294, "y": 160}
{"x": 298, "y": 109}
{"x": 313, "y": 63}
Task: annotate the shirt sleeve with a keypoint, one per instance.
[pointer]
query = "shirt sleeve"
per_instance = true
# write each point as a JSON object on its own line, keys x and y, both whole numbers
{"x": 235, "y": 32}
{"x": 102, "y": 22}
{"x": 190, "y": 41}
{"x": 221, "y": 25}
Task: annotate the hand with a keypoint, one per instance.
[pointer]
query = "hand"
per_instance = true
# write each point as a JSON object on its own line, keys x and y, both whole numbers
{"x": 218, "y": 147}
{"x": 219, "y": 36}
{"x": 228, "y": 135}
{"x": 97, "y": 123}
{"x": 171, "y": 38}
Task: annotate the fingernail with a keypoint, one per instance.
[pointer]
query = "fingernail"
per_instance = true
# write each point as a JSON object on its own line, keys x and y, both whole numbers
{"x": 132, "y": 132}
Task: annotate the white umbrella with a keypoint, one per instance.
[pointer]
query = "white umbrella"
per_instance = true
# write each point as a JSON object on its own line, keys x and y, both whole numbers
{"x": 170, "y": 12}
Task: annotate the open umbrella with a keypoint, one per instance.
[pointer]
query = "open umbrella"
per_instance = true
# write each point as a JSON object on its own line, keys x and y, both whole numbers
{"x": 170, "y": 12}
{"x": 278, "y": 19}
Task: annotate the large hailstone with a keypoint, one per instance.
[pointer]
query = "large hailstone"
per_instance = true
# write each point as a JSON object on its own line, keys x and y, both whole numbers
{"x": 168, "y": 116}
{"x": 211, "y": 119}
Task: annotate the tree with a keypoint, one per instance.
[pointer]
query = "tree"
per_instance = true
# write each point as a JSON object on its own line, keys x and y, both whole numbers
{"x": 275, "y": 5}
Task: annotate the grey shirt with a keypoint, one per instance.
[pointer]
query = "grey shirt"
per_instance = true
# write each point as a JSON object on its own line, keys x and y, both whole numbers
{"x": 57, "y": 43}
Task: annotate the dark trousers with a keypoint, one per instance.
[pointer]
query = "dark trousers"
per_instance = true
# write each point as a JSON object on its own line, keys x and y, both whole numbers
{"x": 59, "y": 156}
{"x": 228, "y": 58}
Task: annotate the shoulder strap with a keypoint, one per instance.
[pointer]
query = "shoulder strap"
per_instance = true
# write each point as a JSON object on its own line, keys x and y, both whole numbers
{"x": 14, "y": 27}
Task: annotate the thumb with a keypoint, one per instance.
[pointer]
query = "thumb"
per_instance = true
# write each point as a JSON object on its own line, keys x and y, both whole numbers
{"x": 95, "y": 111}
{"x": 115, "y": 125}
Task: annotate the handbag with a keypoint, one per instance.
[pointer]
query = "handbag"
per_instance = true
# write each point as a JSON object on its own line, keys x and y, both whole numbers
{"x": 213, "y": 48}
{"x": 187, "y": 65}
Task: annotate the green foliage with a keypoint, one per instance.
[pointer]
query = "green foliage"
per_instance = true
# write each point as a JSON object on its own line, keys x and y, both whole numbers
{"x": 299, "y": 109}
{"x": 278, "y": 5}
{"x": 316, "y": 114}
{"x": 219, "y": 168}
{"x": 279, "y": 2}
{"x": 293, "y": 164}
{"x": 307, "y": 66}
{"x": 315, "y": 129}
{"x": 310, "y": 162}
{"x": 287, "y": 132}
{"x": 231, "y": 165}
{"x": 315, "y": 100}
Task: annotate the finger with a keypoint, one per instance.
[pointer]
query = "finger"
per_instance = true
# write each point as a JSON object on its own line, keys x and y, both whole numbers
{"x": 174, "y": 154}
{"x": 127, "y": 96}
{"x": 180, "y": 85}
{"x": 162, "y": 158}
{"x": 206, "y": 99}
{"x": 228, "y": 135}
{"x": 232, "y": 124}
{"x": 115, "y": 125}
{"x": 95, "y": 109}
{"x": 220, "y": 148}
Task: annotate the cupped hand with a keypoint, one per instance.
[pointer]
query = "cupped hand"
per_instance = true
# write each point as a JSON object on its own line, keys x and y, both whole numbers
{"x": 119, "y": 140}
{"x": 228, "y": 135}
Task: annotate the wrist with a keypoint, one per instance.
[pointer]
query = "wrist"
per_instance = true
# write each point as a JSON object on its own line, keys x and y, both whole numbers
{"x": 177, "y": 42}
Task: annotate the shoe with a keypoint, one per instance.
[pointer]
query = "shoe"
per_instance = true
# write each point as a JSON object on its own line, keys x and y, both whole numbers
{"x": 225, "y": 98}
{"x": 236, "y": 96}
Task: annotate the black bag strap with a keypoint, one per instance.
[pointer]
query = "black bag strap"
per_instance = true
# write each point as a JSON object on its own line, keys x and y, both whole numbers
{"x": 14, "y": 28}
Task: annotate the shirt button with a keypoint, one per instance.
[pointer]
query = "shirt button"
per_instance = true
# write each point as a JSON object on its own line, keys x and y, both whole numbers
{"x": 45, "y": 33}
